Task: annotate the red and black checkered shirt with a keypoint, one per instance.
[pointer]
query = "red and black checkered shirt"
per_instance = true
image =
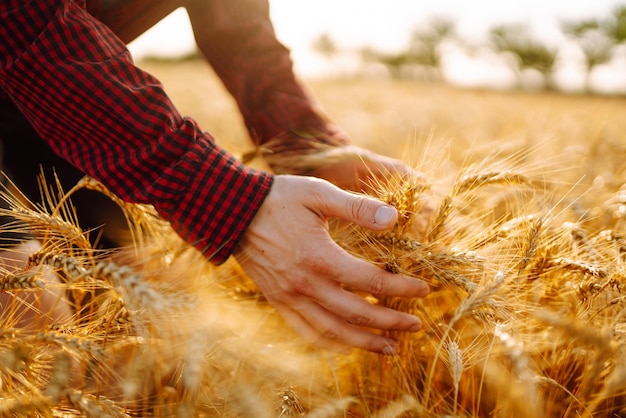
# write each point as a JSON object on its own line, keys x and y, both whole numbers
{"x": 75, "y": 82}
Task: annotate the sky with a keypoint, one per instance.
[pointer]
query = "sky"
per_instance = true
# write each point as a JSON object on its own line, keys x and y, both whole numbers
{"x": 387, "y": 24}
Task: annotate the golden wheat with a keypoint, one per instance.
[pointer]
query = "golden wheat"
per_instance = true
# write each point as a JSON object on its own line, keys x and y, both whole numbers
{"x": 139, "y": 344}
{"x": 525, "y": 317}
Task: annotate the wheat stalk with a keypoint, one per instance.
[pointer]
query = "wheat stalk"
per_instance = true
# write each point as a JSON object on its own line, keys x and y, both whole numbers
{"x": 455, "y": 365}
{"x": 27, "y": 280}
{"x": 26, "y": 406}
{"x": 143, "y": 220}
{"x": 475, "y": 300}
{"x": 289, "y": 404}
{"x": 91, "y": 406}
{"x": 468, "y": 183}
{"x": 599, "y": 339}
{"x": 44, "y": 226}
{"x": 78, "y": 346}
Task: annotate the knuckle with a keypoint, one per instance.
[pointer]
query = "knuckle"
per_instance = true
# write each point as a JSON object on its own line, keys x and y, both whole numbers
{"x": 376, "y": 285}
{"x": 331, "y": 334}
{"x": 356, "y": 207}
{"x": 300, "y": 286}
{"x": 318, "y": 192}
{"x": 319, "y": 265}
{"x": 374, "y": 344}
{"x": 399, "y": 323}
{"x": 359, "y": 319}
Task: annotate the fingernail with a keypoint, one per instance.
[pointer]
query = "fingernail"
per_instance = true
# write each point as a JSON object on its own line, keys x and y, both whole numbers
{"x": 390, "y": 349}
{"x": 416, "y": 326}
{"x": 385, "y": 215}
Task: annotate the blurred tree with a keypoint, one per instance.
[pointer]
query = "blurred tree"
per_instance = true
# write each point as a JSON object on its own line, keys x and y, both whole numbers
{"x": 425, "y": 42}
{"x": 595, "y": 43}
{"x": 616, "y": 27}
{"x": 530, "y": 53}
{"x": 325, "y": 45}
{"x": 395, "y": 62}
{"x": 423, "y": 51}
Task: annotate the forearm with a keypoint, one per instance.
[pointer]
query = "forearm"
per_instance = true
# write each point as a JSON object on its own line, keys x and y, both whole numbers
{"x": 115, "y": 122}
{"x": 238, "y": 39}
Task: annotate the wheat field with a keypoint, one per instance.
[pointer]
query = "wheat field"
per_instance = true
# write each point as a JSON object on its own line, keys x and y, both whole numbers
{"x": 525, "y": 254}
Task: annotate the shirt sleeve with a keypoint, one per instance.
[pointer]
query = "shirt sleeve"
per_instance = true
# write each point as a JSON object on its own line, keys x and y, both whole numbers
{"x": 75, "y": 82}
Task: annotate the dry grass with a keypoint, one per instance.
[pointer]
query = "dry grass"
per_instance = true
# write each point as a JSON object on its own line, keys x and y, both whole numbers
{"x": 525, "y": 254}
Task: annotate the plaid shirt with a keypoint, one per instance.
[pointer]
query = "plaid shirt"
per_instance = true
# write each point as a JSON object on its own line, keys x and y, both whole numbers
{"x": 75, "y": 82}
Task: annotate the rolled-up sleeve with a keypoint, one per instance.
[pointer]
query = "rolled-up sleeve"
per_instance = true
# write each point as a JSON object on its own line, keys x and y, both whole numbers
{"x": 238, "y": 39}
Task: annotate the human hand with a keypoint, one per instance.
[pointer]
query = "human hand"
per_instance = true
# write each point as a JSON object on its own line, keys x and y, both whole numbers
{"x": 357, "y": 169}
{"x": 327, "y": 152}
{"x": 289, "y": 253}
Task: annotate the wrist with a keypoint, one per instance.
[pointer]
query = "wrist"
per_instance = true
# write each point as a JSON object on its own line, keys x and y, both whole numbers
{"x": 301, "y": 152}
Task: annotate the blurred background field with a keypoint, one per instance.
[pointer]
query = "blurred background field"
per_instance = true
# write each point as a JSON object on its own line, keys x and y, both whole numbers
{"x": 564, "y": 45}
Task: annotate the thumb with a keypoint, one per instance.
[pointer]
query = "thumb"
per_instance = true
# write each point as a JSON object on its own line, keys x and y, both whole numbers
{"x": 363, "y": 211}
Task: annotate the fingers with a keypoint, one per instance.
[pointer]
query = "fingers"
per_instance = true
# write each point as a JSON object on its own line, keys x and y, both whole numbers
{"x": 361, "y": 275}
{"x": 377, "y": 281}
{"x": 357, "y": 311}
{"x": 361, "y": 210}
{"x": 338, "y": 314}
{"x": 333, "y": 332}
{"x": 333, "y": 329}
{"x": 308, "y": 332}
{"x": 299, "y": 268}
